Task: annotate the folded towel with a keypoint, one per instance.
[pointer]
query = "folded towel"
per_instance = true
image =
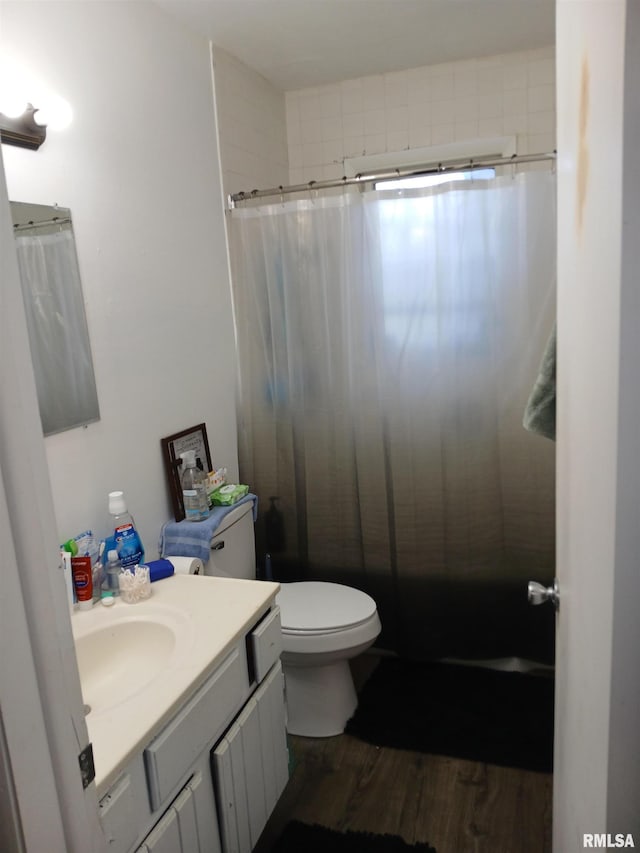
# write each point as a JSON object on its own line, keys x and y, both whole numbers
{"x": 193, "y": 538}
{"x": 540, "y": 412}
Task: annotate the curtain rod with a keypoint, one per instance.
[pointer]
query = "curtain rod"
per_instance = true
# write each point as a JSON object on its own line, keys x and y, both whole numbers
{"x": 43, "y": 223}
{"x": 409, "y": 171}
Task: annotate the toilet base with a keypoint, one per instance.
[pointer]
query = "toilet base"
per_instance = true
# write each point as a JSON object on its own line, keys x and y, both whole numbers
{"x": 320, "y": 699}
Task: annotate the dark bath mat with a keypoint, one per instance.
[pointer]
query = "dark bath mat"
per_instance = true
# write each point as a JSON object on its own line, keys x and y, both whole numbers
{"x": 304, "y": 838}
{"x": 469, "y": 712}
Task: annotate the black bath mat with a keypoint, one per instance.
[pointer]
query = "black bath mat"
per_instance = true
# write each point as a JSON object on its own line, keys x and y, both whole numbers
{"x": 469, "y": 712}
{"x": 304, "y": 838}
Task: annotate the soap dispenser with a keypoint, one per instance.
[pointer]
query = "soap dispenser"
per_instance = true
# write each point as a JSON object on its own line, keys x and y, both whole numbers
{"x": 194, "y": 488}
{"x": 274, "y": 527}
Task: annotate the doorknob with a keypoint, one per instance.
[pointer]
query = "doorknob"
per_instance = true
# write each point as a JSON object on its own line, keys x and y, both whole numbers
{"x": 537, "y": 593}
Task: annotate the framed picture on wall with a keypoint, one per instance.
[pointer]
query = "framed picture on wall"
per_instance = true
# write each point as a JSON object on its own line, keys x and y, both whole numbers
{"x": 193, "y": 438}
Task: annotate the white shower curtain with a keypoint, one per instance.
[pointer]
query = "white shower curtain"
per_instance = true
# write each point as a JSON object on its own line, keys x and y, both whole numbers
{"x": 388, "y": 342}
{"x": 58, "y": 335}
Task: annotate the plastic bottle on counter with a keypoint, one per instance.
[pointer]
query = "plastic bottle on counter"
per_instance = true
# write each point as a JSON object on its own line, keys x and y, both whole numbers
{"x": 194, "y": 488}
{"x": 128, "y": 543}
{"x": 112, "y": 572}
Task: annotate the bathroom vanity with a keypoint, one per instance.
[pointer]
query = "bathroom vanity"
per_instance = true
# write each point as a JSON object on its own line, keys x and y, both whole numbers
{"x": 186, "y": 715}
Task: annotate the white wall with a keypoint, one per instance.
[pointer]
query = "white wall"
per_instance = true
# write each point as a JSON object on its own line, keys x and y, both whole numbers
{"x": 138, "y": 167}
{"x": 506, "y": 95}
{"x": 252, "y": 127}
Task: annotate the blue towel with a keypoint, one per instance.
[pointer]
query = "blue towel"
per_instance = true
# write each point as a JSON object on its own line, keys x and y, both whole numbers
{"x": 193, "y": 538}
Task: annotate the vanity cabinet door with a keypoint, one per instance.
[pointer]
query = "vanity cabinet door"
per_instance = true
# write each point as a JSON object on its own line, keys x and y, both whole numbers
{"x": 273, "y": 737}
{"x": 165, "y": 836}
{"x": 250, "y": 766}
{"x": 228, "y": 774}
{"x": 119, "y": 814}
{"x": 188, "y": 825}
{"x": 204, "y": 807}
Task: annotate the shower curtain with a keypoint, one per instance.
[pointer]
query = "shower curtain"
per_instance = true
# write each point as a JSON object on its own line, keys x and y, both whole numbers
{"x": 388, "y": 342}
{"x": 58, "y": 335}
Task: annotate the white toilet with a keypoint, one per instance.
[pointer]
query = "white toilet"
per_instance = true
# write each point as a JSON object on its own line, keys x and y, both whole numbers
{"x": 323, "y": 626}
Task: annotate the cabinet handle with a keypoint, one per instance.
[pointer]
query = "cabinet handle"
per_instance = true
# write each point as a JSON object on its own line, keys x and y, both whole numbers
{"x": 218, "y": 546}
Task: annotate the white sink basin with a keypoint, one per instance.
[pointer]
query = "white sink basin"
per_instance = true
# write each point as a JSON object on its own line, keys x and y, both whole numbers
{"x": 118, "y": 660}
{"x": 122, "y": 650}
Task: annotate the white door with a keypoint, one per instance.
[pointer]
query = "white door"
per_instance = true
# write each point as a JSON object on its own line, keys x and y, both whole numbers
{"x": 41, "y": 716}
{"x": 597, "y": 745}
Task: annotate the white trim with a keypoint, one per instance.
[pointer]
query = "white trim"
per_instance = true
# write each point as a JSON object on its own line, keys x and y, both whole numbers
{"x": 502, "y": 146}
{"x": 40, "y": 696}
{"x": 11, "y": 840}
{"x": 35, "y": 811}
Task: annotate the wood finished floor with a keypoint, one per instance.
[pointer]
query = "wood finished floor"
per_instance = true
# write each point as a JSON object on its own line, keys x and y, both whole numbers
{"x": 457, "y": 806}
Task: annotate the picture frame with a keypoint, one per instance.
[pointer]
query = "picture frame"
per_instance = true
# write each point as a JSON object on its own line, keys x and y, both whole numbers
{"x": 192, "y": 438}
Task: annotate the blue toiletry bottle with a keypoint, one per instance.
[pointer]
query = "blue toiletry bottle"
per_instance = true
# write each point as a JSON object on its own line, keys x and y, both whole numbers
{"x": 128, "y": 543}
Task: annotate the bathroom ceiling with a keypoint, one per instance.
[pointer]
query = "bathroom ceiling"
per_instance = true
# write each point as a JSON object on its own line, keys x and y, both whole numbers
{"x": 300, "y": 43}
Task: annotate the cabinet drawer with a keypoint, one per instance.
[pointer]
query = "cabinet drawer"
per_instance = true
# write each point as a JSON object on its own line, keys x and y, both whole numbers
{"x": 265, "y": 642}
{"x": 201, "y": 721}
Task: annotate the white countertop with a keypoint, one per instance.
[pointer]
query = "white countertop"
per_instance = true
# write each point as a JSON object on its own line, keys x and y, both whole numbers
{"x": 209, "y": 615}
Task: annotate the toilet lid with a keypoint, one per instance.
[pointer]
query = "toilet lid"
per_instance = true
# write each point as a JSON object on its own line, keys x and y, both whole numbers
{"x": 320, "y": 606}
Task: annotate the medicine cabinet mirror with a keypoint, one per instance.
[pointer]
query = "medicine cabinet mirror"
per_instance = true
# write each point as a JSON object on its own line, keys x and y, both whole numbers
{"x": 56, "y": 319}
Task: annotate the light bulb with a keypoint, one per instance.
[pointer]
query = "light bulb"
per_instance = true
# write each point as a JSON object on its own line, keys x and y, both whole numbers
{"x": 54, "y": 112}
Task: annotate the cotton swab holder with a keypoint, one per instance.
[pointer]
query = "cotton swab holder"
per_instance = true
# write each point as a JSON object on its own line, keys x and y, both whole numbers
{"x": 135, "y": 586}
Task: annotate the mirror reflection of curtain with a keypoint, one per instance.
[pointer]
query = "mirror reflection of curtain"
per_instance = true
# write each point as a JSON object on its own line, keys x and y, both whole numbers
{"x": 388, "y": 343}
{"x": 58, "y": 334}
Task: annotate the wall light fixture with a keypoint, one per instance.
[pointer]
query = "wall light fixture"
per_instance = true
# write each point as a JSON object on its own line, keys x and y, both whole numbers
{"x": 23, "y": 130}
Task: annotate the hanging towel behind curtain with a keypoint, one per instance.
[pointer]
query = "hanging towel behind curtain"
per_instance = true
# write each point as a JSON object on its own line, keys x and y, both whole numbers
{"x": 540, "y": 412}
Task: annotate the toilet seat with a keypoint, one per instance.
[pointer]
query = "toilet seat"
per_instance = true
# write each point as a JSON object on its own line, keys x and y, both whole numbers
{"x": 322, "y": 620}
{"x": 318, "y": 607}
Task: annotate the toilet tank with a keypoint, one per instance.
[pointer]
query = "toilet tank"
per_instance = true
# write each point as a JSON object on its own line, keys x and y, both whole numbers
{"x": 232, "y": 548}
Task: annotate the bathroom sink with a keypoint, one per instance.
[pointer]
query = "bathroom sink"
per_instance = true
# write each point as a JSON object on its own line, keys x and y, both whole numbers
{"x": 125, "y": 652}
{"x": 139, "y": 663}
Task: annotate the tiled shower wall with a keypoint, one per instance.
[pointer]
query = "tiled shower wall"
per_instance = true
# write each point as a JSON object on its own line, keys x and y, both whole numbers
{"x": 268, "y": 138}
{"x": 507, "y": 95}
{"x": 251, "y": 126}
